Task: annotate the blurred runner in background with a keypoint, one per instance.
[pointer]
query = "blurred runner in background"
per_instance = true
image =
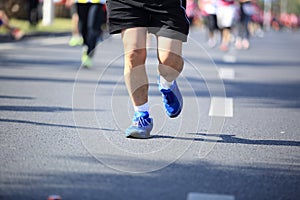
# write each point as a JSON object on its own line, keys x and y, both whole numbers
{"x": 209, "y": 10}
{"x": 245, "y": 12}
{"x": 226, "y": 13}
{"x": 191, "y": 9}
{"x": 76, "y": 39}
{"x": 16, "y": 33}
{"x": 91, "y": 16}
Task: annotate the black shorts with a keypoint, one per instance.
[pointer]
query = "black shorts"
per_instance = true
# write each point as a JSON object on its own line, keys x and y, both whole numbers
{"x": 163, "y": 18}
{"x": 212, "y": 22}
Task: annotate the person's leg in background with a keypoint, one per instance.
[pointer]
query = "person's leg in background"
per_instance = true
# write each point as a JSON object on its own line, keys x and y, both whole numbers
{"x": 226, "y": 38}
{"x": 212, "y": 27}
{"x": 89, "y": 26}
{"x": 76, "y": 39}
{"x": 245, "y": 41}
{"x": 95, "y": 18}
{"x": 33, "y": 16}
{"x": 82, "y": 10}
{"x": 242, "y": 40}
{"x": 225, "y": 17}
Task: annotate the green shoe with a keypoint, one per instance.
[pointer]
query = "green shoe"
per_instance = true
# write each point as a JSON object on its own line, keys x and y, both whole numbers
{"x": 86, "y": 61}
{"x": 76, "y": 41}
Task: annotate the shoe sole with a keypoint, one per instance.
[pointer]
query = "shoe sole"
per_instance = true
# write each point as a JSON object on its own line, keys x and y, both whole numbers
{"x": 176, "y": 114}
{"x": 137, "y": 135}
{"x": 133, "y": 132}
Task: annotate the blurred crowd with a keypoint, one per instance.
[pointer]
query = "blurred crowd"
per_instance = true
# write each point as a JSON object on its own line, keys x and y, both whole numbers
{"x": 291, "y": 21}
{"x": 236, "y": 20}
{"x": 197, "y": 14}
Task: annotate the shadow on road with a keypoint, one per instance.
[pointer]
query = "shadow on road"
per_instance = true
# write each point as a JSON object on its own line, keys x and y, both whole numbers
{"x": 167, "y": 183}
{"x": 232, "y": 139}
{"x": 52, "y": 125}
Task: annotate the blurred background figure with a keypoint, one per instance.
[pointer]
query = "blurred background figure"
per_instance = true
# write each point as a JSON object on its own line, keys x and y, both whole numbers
{"x": 294, "y": 21}
{"x": 91, "y": 15}
{"x": 257, "y": 20}
{"x": 33, "y": 13}
{"x": 288, "y": 21}
{"x": 226, "y": 13}
{"x": 16, "y": 33}
{"x": 191, "y": 9}
{"x": 209, "y": 10}
{"x": 76, "y": 39}
{"x": 245, "y": 12}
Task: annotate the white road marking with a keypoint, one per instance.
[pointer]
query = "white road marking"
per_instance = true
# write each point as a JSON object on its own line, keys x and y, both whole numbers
{"x": 226, "y": 73}
{"x": 202, "y": 196}
{"x": 51, "y": 41}
{"x": 7, "y": 46}
{"x": 221, "y": 107}
{"x": 229, "y": 58}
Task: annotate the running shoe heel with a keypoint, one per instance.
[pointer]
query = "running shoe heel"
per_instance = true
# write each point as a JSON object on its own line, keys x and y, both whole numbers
{"x": 172, "y": 100}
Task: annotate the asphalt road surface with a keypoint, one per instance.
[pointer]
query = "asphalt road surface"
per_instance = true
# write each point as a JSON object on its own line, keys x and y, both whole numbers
{"x": 62, "y": 127}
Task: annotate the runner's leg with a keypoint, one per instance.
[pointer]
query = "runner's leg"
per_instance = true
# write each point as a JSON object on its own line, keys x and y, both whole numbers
{"x": 94, "y": 27}
{"x": 82, "y": 10}
{"x": 169, "y": 56}
{"x": 134, "y": 41}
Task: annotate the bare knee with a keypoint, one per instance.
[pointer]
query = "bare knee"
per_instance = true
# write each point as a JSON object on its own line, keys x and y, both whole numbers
{"x": 170, "y": 66}
{"x": 135, "y": 57}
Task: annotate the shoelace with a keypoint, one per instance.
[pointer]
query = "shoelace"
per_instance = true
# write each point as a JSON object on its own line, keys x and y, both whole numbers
{"x": 142, "y": 122}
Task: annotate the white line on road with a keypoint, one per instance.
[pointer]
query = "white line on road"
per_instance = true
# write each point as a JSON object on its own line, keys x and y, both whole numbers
{"x": 51, "y": 41}
{"x": 202, "y": 196}
{"x": 8, "y": 46}
{"x": 229, "y": 58}
{"x": 226, "y": 73}
{"x": 221, "y": 107}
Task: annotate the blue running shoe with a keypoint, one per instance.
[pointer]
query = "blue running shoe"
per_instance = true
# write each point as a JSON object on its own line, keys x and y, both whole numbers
{"x": 172, "y": 99}
{"x": 141, "y": 126}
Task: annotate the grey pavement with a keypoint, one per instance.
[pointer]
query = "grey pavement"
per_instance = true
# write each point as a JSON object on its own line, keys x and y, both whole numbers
{"x": 62, "y": 126}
